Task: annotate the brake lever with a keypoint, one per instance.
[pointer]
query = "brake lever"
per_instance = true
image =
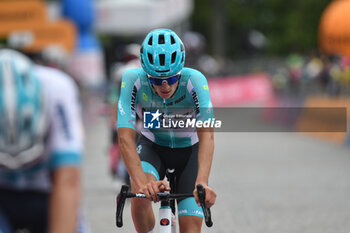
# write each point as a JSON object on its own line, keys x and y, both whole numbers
{"x": 120, "y": 205}
{"x": 206, "y": 211}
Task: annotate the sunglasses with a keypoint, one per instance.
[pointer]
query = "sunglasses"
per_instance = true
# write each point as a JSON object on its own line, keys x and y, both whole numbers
{"x": 159, "y": 81}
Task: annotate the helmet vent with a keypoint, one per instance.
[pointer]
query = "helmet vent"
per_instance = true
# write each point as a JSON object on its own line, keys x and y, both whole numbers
{"x": 150, "y": 40}
{"x": 173, "y": 57}
{"x": 161, "y": 39}
{"x": 150, "y": 58}
{"x": 182, "y": 60}
{"x": 162, "y": 71}
{"x": 172, "y": 40}
{"x": 162, "y": 59}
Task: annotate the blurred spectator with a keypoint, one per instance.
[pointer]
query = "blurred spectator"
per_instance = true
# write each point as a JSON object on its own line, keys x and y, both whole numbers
{"x": 280, "y": 79}
{"x": 345, "y": 66}
{"x": 324, "y": 74}
{"x": 295, "y": 64}
{"x": 41, "y": 140}
{"x": 313, "y": 68}
{"x": 335, "y": 74}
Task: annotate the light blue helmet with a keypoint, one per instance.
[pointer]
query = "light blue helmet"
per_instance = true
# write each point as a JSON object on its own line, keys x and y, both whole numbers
{"x": 162, "y": 53}
{"x": 23, "y": 121}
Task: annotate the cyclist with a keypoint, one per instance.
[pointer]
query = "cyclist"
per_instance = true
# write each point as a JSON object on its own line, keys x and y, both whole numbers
{"x": 164, "y": 84}
{"x": 40, "y": 148}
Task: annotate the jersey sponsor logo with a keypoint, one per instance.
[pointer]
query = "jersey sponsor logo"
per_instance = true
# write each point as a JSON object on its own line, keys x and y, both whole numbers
{"x": 123, "y": 85}
{"x": 180, "y": 99}
{"x": 197, "y": 212}
{"x": 182, "y": 212}
{"x": 133, "y": 101}
{"x": 151, "y": 120}
{"x": 64, "y": 121}
{"x": 121, "y": 110}
{"x": 205, "y": 87}
{"x": 196, "y": 102}
{"x": 144, "y": 96}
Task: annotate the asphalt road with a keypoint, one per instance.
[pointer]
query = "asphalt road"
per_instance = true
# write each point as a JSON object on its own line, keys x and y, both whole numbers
{"x": 266, "y": 183}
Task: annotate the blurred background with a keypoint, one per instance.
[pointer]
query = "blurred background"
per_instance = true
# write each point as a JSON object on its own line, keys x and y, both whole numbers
{"x": 261, "y": 54}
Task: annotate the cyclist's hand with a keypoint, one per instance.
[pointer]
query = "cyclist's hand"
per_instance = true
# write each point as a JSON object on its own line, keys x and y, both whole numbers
{"x": 153, "y": 187}
{"x": 210, "y": 196}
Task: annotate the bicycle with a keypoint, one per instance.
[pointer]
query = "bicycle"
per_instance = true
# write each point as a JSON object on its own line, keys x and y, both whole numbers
{"x": 167, "y": 223}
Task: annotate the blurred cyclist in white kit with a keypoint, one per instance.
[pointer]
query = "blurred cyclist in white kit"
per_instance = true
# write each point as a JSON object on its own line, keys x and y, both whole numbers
{"x": 41, "y": 142}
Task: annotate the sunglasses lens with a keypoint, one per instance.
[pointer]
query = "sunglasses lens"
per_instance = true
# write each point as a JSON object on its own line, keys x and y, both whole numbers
{"x": 171, "y": 80}
{"x": 156, "y": 81}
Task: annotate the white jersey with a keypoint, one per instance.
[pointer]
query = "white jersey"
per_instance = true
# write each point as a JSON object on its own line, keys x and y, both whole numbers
{"x": 64, "y": 140}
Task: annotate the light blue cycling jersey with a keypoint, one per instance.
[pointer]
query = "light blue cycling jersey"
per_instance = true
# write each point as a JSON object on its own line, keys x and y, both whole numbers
{"x": 190, "y": 99}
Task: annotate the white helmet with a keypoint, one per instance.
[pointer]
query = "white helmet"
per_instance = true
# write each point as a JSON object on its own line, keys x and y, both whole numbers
{"x": 23, "y": 121}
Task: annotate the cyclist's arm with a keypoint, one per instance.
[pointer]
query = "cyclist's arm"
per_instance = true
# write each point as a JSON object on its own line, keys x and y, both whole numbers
{"x": 205, "y": 158}
{"x": 126, "y": 138}
{"x": 127, "y": 106}
{"x": 64, "y": 201}
{"x": 204, "y": 111}
{"x": 205, "y": 154}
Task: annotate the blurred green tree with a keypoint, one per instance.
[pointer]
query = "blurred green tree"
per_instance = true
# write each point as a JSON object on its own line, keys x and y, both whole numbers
{"x": 288, "y": 26}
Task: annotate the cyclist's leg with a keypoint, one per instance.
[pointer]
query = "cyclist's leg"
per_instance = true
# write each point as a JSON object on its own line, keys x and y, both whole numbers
{"x": 142, "y": 212}
{"x": 190, "y": 214}
{"x": 190, "y": 222}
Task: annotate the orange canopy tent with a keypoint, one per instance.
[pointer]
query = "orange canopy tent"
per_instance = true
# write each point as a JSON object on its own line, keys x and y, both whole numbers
{"x": 334, "y": 29}
{"x": 26, "y": 22}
